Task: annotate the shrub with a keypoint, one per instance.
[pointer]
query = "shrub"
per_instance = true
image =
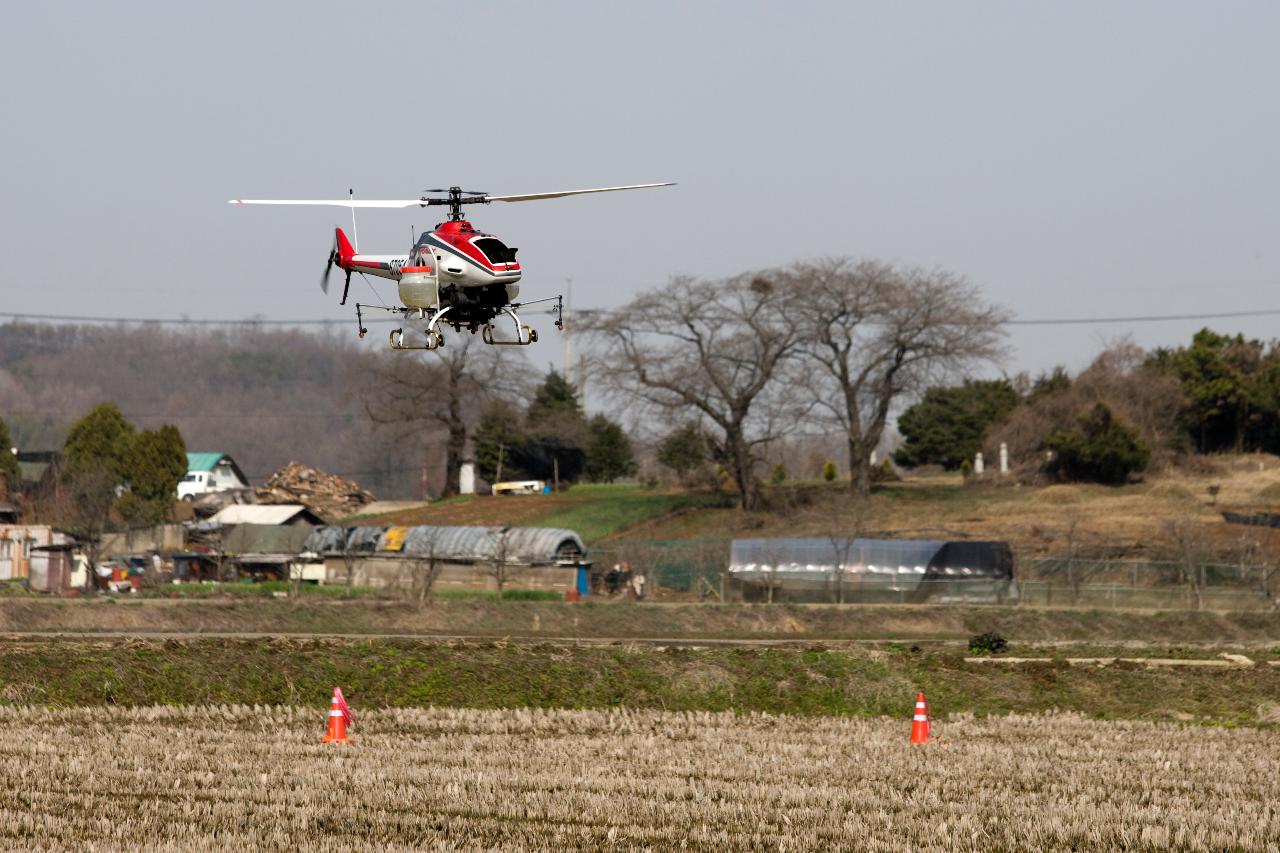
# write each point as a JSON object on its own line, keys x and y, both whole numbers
{"x": 989, "y": 643}
{"x": 829, "y": 472}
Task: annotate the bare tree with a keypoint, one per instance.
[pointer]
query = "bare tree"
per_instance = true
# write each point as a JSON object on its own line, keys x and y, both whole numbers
{"x": 713, "y": 347}
{"x": 846, "y": 524}
{"x": 1188, "y": 540}
{"x": 443, "y": 390}
{"x": 1079, "y": 570}
{"x": 87, "y": 502}
{"x": 425, "y": 566}
{"x": 499, "y": 560}
{"x": 350, "y": 556}
{"x": 873, "y": 332}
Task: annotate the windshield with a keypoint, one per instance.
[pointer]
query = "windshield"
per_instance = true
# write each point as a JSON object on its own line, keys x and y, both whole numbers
{"x": 496, "y": 251}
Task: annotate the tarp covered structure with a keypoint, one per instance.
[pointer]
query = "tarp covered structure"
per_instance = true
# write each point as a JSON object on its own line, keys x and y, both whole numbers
{"x": 532, "y": 545}
{"x": 906, "y": 569}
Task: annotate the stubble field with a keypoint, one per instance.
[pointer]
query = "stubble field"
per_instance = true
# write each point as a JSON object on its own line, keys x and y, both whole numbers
{"x": 236, "y": 777}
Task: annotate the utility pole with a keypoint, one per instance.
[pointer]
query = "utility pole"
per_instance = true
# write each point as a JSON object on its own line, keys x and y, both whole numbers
{"x": 568, "y": 335}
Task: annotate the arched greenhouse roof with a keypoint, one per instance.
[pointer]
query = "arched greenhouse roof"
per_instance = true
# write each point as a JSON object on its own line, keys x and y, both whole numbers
{"x": 898, "y": 563}
{"x": 462, "y": 544}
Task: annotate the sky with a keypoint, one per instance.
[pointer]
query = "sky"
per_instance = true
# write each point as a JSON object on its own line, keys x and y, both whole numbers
{"x": 1074, "y": 160}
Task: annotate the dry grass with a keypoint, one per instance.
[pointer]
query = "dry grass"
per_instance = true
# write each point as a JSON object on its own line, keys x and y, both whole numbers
{"x": 1037, "y": 520}
{"x": 240, "y": 778}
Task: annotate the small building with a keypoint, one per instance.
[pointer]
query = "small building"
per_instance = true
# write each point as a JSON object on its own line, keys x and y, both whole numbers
{"x": 18, "y": 543}
{"x": 210, "y": 472}
{"x": 37, "y": 468}
{"x": 57, "y": 569}
{"x": 274, "y": 515}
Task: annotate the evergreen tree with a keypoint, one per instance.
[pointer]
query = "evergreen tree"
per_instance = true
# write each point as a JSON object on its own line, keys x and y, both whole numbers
{"x": 1102, "y": 450}
{"x": 155, "y": 463}
{"x": 608, "y": 452}
{"x": 947, "y": 425}
{"x": 556, "y": 432}
{"x": 98, "y": 444}
{"x": 497, "y": 438}
{"x": 94, "y": 466}
{"x": 556, "y": 395}
{"x": 684, "y": 449}
{"x": 8, "y": 462}
{"x": 1048, "y": 384}
{"x": 1232, "y": 386}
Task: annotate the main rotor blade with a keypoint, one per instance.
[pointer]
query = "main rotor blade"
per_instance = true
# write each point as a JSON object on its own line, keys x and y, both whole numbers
{"x": 536, "y": 196}
{"x": 339, "y": 202}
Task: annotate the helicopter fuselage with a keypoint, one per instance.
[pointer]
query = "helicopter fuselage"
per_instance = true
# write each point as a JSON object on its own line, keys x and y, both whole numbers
{"x": 471, "y": 271}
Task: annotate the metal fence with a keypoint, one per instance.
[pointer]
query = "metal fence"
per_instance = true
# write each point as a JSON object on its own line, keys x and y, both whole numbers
{"x": 699, "y": 566}
{"x": 1147, "y": 584}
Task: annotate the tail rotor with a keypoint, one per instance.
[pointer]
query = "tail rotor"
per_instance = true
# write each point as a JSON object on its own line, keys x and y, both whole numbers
{"x": 339, "y": 255}
{"x": 328, "y": 267}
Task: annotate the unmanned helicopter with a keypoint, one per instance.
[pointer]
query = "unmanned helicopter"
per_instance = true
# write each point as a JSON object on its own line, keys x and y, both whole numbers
{"x": 452, "y": 276}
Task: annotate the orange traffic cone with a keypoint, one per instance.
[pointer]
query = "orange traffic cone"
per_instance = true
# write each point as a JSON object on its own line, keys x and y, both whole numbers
{"x": 920, "y": 721}
{"x": 339, "y": 716}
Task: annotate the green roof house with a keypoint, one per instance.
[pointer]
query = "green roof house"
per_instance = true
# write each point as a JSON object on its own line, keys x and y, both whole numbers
{"x": 210, "y": 472}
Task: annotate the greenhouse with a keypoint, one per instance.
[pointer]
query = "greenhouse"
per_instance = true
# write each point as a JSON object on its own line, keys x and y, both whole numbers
{"x": 888, "y": 570}
{"x": 525, "y": 545}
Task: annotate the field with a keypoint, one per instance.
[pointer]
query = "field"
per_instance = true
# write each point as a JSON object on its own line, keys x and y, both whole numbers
{"x": 238, "y": 777}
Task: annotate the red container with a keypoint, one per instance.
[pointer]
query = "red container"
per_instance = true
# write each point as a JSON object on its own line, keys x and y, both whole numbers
{"x": 571, "y": 595}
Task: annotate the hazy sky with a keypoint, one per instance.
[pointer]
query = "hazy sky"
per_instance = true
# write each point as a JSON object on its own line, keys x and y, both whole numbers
{"x": 1074, "y": 159}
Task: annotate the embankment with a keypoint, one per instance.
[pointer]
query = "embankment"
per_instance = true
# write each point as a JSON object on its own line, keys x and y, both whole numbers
{"x": 854, "y": 681}
{"x": 630, "y": 621}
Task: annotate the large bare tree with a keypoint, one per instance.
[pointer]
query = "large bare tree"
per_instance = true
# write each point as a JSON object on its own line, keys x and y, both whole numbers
{"x": 710, "y": 347}
{"x": 443, "y": 392}
{"x": 873, "y": 332}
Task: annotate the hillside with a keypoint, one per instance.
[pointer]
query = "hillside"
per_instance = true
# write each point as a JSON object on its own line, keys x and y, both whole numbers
{"x": 266, "y": 396}
{"x": 1131, "y": 520}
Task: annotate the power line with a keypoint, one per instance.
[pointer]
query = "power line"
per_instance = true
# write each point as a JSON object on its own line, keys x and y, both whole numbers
{"x": 1152, "y": 318}
{"x": 202, "y": 321}
{"x": 178, "y": 415}
{"x": 184, "y": 321}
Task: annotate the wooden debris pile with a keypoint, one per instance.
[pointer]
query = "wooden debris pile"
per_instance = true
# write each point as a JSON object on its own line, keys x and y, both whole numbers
{"x": 327, "y": 495}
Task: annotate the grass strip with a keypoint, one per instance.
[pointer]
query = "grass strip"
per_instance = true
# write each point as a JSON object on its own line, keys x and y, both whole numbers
{"x": 805, "y": 681}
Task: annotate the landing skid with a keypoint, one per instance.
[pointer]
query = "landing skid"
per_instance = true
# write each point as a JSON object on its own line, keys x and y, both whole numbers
{"x": 524, "y": 333}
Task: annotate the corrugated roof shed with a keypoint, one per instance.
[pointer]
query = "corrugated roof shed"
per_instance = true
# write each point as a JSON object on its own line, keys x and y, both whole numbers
{"x": 275, "y": 514}
{"x": 266, "y": 539}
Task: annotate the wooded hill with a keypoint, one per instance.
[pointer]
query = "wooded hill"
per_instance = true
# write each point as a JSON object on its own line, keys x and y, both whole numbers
{"x": 265, "y": 396}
